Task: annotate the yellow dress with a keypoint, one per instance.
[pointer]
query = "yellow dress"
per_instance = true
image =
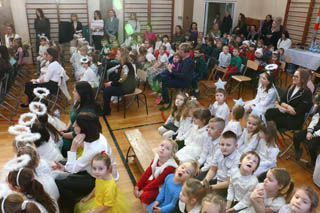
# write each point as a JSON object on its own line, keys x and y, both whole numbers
{"x": 106, "y": 193}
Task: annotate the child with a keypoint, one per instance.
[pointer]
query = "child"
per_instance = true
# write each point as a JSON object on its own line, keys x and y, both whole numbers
{"x": 220, "y": 108}
{"x": 106, "y": 48}
{"x": 234, "y": 125}
{"x": 175, "y": 65}
{"x": 12, "y": 53}
{"x": 44, "y": 45}
{"x": 281, "y": 55}
{"x": 165, "y": 42}
{"x": 213, "y": 203}
{"x": 210, "y": 146}
{"x": 152, "y": 179}
{"x": 158, "y": 43}
{"x": 172, "y": 124}
{"x": 191, "y": 195}
{"x": 75, "y": 60}
{"x": 139, "y": 43}
{"x": 258, "y": 54}
{"x": 23, "y": 181}
{"x": 267, "y": 147}
{"x": 271, "y": 195}
{"x": 192, "y": 146}
{"x": 224, "y": 57}
{"x": 224, "y": 161}
{"x": 304, "y": 200}
{"x": 249, "y": 138}
{"x": 234, "y": 67}
{"x": 169, "y": 193}
{"x": 201, "y": 67}
{"x": 87, "y": 73}
{"x": 106, "y": 196}
{"x": 18, "y": 203}
{"x": 251, "y": 51}
{"x": 242, "y": 182}
{"x": 208, "y": 48}
{"x": 186, "y": 119}
{"x": 148, "y": 44}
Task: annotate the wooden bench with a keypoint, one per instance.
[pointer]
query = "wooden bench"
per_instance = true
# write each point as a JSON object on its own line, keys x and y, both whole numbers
{"x": 142, "y": 151}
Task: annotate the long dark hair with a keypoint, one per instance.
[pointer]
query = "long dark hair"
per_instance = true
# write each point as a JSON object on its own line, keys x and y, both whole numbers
{"x": 4, "y": 53}
{"x": 43, "y": 119}
{"x": 98, "y": 13}
{"x": 13, "y": 204}
{"x": 41, "y": 13}
{"x": 85, "y": 92}
{"x": 89, "y": 125}
{"x": 31, "y": 187}
{"x": 242, "y": 20}
{"x": 54, "y": 53}
{"x": 45, "y": 136}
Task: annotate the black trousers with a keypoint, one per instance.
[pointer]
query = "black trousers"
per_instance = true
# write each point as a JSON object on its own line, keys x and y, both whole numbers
{"x": 312, "y": 145}
{"x": 97, "y": 42}
{"x": 73, "y": 188}
{"x": 29, "y": 86}
{"x": 107, "y": 93}
{"x": 283, "y": 120}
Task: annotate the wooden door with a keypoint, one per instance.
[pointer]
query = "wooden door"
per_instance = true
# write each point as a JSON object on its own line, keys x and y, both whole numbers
{"x": 187, "y": 14}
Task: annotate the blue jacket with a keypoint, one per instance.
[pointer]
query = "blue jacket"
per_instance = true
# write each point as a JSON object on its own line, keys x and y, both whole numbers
{"x": 111, "y": 27}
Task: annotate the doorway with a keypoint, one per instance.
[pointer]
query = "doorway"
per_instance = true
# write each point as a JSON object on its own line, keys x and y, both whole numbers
{"x": 187, "y": 14}
{"x": 214, "y": 7}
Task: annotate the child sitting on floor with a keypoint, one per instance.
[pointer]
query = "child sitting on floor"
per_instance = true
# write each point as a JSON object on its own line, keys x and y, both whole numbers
{"x": 234, "y": 125}
{"x": 220, "y": 108}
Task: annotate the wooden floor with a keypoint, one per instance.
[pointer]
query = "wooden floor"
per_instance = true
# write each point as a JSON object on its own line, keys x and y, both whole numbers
{"x": 148, "y": 125}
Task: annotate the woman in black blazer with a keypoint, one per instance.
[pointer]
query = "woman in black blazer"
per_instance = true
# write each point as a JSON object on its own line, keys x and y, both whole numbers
{"x": 41, "y": 26}
{"x": 290, "y": 112}
{"x": 76, "y": 28}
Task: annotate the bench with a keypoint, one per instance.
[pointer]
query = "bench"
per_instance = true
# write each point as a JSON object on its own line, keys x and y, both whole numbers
{"x": 142, "y": 151}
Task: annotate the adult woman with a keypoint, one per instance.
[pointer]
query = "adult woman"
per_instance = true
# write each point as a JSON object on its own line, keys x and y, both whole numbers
{"x": 112, "y": 25}
{"x": 290, "y": 112}
{"x": 215, "y": 32}
{"x": 97, "y": 32}
{"x": 42, "y": 26}
{"x": 241, "y": 28}
{"x": 148, "y": 34}
{"x": 125, "y": 83}
{"x": 76, "y": 28}
{"x": 285, "y": 41}
{"x": 274, "y": 35}
{"x": 81, "y": 181}
{"x": 134, "y": 23}
{"x": 4, "y": 61}
{"x": 193, "y": 32}
{"x": 226, "y": 23}
{"x": 253, "y": 34}
{"x": 84, "y": 102}
{"x": 178, "y": 37}
{"x": 10, "y": 35}
{"x": 266, "y": 26}
{"x": 49, "y": 80}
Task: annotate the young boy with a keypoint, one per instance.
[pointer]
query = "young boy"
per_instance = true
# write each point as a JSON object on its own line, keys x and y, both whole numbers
{"x": 210, "y": 146}
{"x": 224, "y": 161}
{"x": 224, "y": 57}
{"x": 235, "y": 65}
{"x": 200, "y": 65}
{"x": 220, "y": 108}
{"x": 106, "y": 48}
{"x": 234, "y": 125}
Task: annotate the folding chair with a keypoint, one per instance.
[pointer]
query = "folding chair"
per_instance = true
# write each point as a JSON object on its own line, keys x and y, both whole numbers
{"x": 101, "y": 73}
{"x": 209, "y": 84}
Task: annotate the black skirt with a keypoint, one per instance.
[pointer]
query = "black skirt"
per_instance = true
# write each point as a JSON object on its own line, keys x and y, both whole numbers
{"x": 52, "y": 86}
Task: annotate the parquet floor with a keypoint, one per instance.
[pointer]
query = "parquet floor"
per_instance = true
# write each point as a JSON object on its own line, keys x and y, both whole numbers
{"x": 148, "y": 125}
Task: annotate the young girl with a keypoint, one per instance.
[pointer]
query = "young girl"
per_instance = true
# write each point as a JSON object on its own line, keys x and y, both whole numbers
{"x": 186, "y": 119}
{"x": 165, "y": 42}
{"x": 169, "y": 193}
{"x": 191, "y": 195}
{"x": 220, "y": 108}
{"x": 242, "y": 182}
{"x": 24, "y": 181}
{"x": 16, "y": 203}
{"x": 213, "y": 203}
{"x": 192, "y": 145}
{"x": 87, "y": 73}
{"x": 304, "y": 200}
{"x": 106, "y": 196}
{"x": 152, "y": 179}
{"x": 75, "y": 61}
{"x": 266, "y": 95}
{"x": 249, "y": 138}
{"x": 234, "y": 125}
{"x": 172, "y": 124}
{"x": 267, "y": 147}
{"x": 44, "y": 45}
{"x": 271, "y": 195}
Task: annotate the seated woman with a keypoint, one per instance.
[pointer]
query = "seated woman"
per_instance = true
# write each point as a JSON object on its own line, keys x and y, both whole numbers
{"x": 80, "y": 181}
{"x": 125, "y": 83}
{"x": 290, "y": 112}
{"x": 83, "y": 102}
{"x": 49, "y": 80}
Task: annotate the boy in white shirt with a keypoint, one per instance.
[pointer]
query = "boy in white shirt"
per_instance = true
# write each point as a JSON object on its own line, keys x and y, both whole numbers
{"x": 235, "y": 124}
{"x": 224, "y": 161}
{"x": 87, "y": 73}
{"x": 211, "y": 145}
{"x": 220, "y": 108}
{"x": 224, "y": 57}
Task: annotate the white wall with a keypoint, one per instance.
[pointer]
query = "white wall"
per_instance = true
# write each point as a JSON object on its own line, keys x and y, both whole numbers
{"x": 178, "y": 13}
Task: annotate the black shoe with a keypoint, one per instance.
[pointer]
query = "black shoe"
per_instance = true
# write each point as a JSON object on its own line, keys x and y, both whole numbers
{"x": 24, "y": 105}
{"x": 299, "y": 154}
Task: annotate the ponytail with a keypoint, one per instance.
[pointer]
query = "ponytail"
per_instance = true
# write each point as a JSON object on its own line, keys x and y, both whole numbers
{"x": 287, "y": 190}
{"x": 29, "y": 186}
{"x": 197, "y": 189}
{"x": 43, "y": 119}
{"x": 16, "y": 203}
{"x": 283, "y": 178}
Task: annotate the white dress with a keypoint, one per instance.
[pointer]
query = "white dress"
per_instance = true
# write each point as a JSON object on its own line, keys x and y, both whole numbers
{"x": 285, "y": 209}
{"x": 56, "y": 122}
{"x": 220, "y": 111}
{"x": 235, "y": 127}
{"x": 245, "y": 144}
{"x": 49, "y": 152}
{"x": 90, "y": 77}
{"x": 193, "y": 144}
{"x": 184, "y": 128}
{"x": 268, "y": 157}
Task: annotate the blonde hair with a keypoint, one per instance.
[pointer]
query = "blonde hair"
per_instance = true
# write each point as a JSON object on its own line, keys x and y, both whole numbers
{"x": 218, "y": 121}
{"x": 196, "y": 189}
{"x": 173, "y": 144}
{"x": 190, "y": 104}
{"x": 258, "y": 120}
{"x": 175, "y": 108}
{"x": 216, "y": 200}
{"x": 194, "y": 165}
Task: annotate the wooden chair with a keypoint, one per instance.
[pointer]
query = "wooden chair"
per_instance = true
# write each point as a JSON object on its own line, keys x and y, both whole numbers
{"x": 143, "y": 154}
{"x": 241, "y": 79}
{"x": 209, "y": 84}
{"x": 142, "y": 77}
{"x": 281, "y": 69}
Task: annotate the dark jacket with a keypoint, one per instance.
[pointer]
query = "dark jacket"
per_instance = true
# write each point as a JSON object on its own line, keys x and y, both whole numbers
{"x": 78, "y": 28}
{"x": 42, "y": 26}
{"x": 127, "y": 82}
{"x": 226, "y": 25}
{"x": 186, "y": 70}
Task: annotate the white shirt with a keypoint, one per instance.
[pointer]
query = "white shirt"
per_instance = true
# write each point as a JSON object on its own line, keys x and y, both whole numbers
{"x": 182, "y": 208}
{"x": 83, "y": 163}
{"x": 245, "y": 144}
{"x": 285, "y": 209}
{"x": 235, "y": 127}
{"x": 224, "y": 164}
{"x": 172, "y": 119}
{"x": 209, "y": 148}
{"x": 97, "y": 27}
{"x": 184, "y": 128}
{"x": 158, "y": 45}
{"x": 220, "y": 111}
{"x": 285, "y": 44}
{"x": 7, "y": 39}
{"x": 224, "y": 59}
{"x": 168, "y": 46}
{"x": 53, "y": 73}
{"x": 135, "y": 24}
{"x": 90, "y": 77}
{"x": 240, "y": 188}
{"x": 150, "y": 57}
{"x": 265, "y": 99}
{"x": 163, "y": 58}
